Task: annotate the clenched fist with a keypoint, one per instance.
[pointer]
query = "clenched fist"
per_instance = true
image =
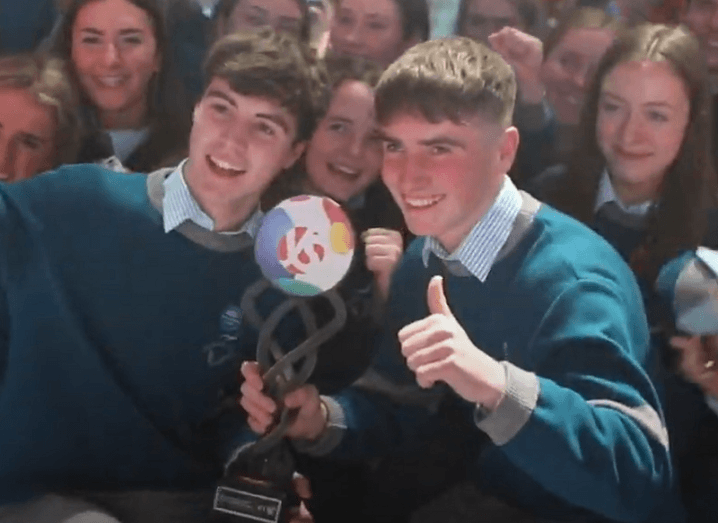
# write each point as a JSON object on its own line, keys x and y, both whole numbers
{"x": 384, "y": 248}
{"x": 524, "y": 53}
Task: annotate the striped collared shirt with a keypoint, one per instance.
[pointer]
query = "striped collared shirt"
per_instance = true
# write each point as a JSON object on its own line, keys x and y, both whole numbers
{"x": 479, "y": 249}
{"x": 178, "y": 206}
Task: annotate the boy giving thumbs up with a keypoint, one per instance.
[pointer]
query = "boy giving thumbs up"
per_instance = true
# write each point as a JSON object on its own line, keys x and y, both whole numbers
{"x": 536, "y": 334}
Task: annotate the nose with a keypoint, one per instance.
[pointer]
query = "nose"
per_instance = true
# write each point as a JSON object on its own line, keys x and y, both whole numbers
{"x": 631, "y": 131}
{"x": 111, "y": 55}
{"x": 353, "y": 37}
{"x": 410, "y": 171}
{"x": 356, "y": 145}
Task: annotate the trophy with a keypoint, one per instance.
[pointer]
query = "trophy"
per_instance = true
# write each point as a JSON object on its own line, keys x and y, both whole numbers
{"x": 304, "y": 247}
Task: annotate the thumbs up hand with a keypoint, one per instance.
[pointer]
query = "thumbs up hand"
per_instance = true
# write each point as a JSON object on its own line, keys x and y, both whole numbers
{"x": 437, "y": 348}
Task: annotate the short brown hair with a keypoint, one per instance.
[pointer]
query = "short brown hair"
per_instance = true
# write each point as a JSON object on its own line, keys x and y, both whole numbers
{"x": 270, "y": 65}
{"x": 452, "y": 78}
{"x": 47, "y": 79}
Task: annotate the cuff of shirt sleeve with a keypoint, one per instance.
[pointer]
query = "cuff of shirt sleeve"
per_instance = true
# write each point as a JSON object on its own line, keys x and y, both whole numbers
{"x": 329, "y": 440}
{"x": 519, "y": 401}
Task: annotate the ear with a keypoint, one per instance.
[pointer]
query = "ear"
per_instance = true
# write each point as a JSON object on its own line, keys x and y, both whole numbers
{"x": 508, "y": 145}
{"x": 297, "y": 150}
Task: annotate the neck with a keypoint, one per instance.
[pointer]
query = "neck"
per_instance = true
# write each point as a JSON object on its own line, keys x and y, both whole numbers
{"x": 230, "y": 218}
{"x": 134, "y": 117}
{"x": 452, "y": 242}
{"x": 636, "y": 194}
{"x": 228, "y": 214}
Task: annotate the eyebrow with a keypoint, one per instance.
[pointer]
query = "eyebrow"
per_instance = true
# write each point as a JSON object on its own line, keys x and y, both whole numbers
{"x": 656, "y": 103}
{"x": 443, "y": 140}
{"x": 277, "y": 119}
{"x": 260, "y": 9}
{"x": 123, "y": 32}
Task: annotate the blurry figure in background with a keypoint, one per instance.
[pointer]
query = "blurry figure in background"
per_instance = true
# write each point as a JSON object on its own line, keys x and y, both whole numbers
{"x": 290, "y": 16}
{"x": 553, "y": 78}
{"x": 132, "y": 106}
{"x": 701, "y": 17}
{"x": 378, "y": 30}
{"x": 478, "y": 19}
{"x": 24, "y": 24}
{"x": 39, "y": 125}
{"x": 321, "y": 14}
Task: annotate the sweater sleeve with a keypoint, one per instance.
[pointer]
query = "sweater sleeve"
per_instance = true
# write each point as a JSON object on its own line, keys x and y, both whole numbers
{"x": 584, "y": 422}
{"x": 589, "y": 406}
{"x": 4, "y": 313}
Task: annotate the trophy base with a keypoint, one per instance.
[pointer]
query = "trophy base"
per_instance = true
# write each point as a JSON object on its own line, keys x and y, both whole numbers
{"x": 252, "y": 501}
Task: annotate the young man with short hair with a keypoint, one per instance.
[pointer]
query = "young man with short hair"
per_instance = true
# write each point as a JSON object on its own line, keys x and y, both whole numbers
{"x": 536, "y": 338}
{"x": 120, "y": 320}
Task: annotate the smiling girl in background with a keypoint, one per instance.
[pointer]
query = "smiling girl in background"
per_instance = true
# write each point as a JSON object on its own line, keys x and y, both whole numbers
{"x": 117, "y": 52}
{"x": 642, "y": 176}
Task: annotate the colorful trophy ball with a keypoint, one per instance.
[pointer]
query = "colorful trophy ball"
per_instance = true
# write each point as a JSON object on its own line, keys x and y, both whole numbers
{"x": 305, "y": 245}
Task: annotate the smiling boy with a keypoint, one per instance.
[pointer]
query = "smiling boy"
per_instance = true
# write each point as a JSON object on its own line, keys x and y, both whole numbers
{"x": 120, "y": 325}
{"x": 536, "y": 336}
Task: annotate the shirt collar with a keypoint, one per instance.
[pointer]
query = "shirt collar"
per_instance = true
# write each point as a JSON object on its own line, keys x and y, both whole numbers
{"x": 606, "y": 194}
{"x": 179, "y": 206}
{"x": 477, "y": 252}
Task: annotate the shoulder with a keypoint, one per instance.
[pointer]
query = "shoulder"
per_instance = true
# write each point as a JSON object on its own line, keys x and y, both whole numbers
{"x": 74, "y": 188}
{"x": 562, "y": 251}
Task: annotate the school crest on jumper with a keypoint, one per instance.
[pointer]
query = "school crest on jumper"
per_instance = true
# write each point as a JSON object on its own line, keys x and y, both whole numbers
{"x": 224, "y": 349}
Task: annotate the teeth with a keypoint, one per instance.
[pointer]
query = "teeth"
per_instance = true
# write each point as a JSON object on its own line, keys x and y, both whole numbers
{"x": 224, "y": 165}
{"x": 423, "y": 202}
{"x": 345, "y": 170}
{"x": 110, "y": 81}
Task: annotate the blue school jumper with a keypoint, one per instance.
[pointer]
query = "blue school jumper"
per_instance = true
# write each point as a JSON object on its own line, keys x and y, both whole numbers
{"x": 119, "y": 342}
{"x": 579, "y": 435}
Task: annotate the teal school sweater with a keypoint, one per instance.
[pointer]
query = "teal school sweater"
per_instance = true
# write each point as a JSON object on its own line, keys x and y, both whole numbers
{"x": 564, "y": 307}
{"x": 118, "y": 342}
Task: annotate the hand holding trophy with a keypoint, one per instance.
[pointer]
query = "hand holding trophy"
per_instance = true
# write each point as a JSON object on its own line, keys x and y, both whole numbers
{"x": 304, "y": 247}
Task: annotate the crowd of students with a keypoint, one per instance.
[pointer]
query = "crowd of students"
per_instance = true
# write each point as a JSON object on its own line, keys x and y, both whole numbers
{"x": 527, "y": 197}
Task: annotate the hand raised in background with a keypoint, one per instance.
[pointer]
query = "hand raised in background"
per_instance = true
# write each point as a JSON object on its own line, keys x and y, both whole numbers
{"x": 384, "y": 248}
{"x": 524, "y": 53}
